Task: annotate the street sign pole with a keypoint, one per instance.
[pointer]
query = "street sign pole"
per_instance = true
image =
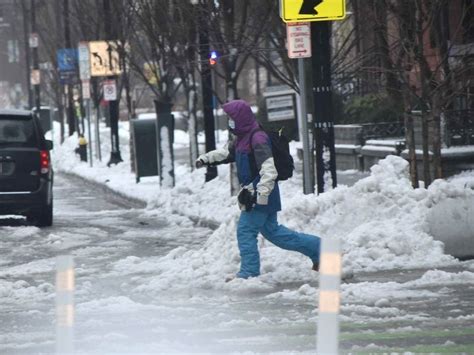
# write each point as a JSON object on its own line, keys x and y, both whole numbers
{"x": 114, "y": 110}
{"x": 34, "y": 46}
{"x": 88, "y": 111}
{"x": 323, "y": 124}
{"x": 308, "y": 177}
{"x": 299, "y": 47}
{"x": 85, "y": 74}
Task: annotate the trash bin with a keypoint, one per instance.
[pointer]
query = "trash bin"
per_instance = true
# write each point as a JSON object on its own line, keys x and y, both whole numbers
{"x": 144, "y": 144}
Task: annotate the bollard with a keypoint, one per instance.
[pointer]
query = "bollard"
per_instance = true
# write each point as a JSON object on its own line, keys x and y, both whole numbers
{"x": 327, "y": 341}
{"x": 64, "y": 304}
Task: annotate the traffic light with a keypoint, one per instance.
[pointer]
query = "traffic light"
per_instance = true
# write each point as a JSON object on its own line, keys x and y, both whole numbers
{"x": 213, "y": 58}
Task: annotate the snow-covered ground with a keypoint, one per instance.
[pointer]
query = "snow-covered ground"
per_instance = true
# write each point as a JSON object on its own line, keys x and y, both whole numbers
{"x": 381, "y": 221}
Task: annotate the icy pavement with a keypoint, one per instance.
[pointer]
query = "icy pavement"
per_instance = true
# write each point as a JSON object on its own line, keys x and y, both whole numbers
{"x": 127, "y": 302}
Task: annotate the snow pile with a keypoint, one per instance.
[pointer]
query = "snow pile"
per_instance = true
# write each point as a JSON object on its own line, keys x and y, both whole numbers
{"x": 381, "y": 221}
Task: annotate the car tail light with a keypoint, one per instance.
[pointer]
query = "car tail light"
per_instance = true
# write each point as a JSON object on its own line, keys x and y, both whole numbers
{"x": 44, "y": 161}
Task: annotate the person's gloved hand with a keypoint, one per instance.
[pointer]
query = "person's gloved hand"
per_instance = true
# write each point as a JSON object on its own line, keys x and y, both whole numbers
{"x": 201, "y": 161}
{"x": 199, "y": 164}
{"x": 246, "y": 199}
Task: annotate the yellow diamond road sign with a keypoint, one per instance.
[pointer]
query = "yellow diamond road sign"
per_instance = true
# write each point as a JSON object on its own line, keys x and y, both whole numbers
{"x": 312, "y": 10}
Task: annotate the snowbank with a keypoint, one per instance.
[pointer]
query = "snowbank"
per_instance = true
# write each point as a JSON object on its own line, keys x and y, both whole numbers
{"x": 381, "y": 221}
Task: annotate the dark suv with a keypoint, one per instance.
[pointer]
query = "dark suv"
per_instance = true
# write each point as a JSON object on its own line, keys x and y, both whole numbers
{"x": 26, "y": 175}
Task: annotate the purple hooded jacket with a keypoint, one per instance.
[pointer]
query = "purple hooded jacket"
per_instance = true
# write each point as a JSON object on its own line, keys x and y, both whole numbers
{"x": 246, "y": 127}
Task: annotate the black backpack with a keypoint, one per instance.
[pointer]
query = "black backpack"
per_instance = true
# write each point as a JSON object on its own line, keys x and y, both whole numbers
{"x": 282, "y": 158}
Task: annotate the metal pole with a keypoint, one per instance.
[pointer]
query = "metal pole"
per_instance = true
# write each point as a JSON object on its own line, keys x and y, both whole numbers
{"x": 206, "y": 81}
{"x": 88, "y": 110}
{"x": 308, "y": 184}
{"x": 71, "y": 120}
{"x": 27, "y": 52}
{"x": 97, "y": 134}
{"x": 35, "y": 58}
{"x": 323, "y": 110}
{"x": 114, "y": 110}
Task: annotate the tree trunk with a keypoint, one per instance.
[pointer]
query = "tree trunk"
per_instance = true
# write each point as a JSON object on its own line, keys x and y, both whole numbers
{"x": 192, "y": 100}
{"x": 410, "y": 140}
{"x": 423, "y": 77}
{"x": 436, "y": 141}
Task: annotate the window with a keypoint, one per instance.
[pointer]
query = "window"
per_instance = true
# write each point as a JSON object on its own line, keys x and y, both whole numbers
{"x": 17, "y": 131}
{"x": 468, "y": 21}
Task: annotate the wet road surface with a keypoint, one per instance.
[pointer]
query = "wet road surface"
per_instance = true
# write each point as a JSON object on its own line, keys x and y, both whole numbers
{"x": 99, "y": 229}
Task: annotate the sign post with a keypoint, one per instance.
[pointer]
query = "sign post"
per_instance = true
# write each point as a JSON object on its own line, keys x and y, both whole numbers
{"x": 320, "y": 13}
{"x": 299, "y": 46}
{"x": 105, "y": 62}
{"x": 85, "y": 74}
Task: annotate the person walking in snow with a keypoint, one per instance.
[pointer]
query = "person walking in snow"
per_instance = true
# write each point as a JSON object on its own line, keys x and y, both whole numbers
{"x": 259, "y": 198}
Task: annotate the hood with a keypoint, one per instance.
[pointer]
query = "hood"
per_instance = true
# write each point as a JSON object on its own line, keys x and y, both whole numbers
{"x": 241, "y": 113}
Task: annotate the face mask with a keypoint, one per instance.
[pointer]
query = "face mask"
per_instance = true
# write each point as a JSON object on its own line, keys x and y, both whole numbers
{"x": 231, "y": 125}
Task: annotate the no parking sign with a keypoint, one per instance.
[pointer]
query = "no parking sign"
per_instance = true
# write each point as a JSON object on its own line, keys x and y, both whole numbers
{"x": 110, "y": 90}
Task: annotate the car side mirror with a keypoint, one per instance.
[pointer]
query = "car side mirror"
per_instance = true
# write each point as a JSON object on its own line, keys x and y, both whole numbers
{"x": 49, "y": 144}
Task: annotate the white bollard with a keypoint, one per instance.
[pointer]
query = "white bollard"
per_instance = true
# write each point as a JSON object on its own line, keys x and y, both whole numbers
{"x": 330, "y": 267}
{"x": 64, "y": 304}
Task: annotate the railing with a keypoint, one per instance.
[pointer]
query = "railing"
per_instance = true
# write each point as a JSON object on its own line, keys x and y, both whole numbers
{"x": 382, "y": 130}
{"x": 459, "y": 127}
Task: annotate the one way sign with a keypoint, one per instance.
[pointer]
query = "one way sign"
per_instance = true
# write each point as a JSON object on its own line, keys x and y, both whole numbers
{"x": 298, "y": 36}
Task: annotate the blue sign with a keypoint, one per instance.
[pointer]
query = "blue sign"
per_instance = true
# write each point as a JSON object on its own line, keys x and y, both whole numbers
{"x": 67, "y": 59}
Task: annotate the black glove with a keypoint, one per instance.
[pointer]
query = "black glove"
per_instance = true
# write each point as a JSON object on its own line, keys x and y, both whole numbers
{"x": 199, "y": 163}
{"x": 247, "y": 199}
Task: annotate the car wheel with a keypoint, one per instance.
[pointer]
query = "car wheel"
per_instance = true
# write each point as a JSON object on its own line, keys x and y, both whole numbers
{"x": 43, "y": 217}
{"x": 46, "y": 216}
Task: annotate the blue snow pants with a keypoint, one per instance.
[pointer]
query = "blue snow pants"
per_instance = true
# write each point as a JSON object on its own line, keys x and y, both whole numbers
{"x": 253, "y": 222}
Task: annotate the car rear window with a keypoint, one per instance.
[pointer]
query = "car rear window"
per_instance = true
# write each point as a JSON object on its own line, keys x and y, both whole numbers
{"x": 17, "y": 131}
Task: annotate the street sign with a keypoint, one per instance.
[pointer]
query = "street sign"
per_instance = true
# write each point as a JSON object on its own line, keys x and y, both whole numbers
{"x": 86, "y": 89}
{"x": 84, "y": 61}
{"x": 280, "y": 108}
{"x": 67, "y": 59}
{"x": 104, "y": 58}
{"x": 312, "y": 10}
{"x": 67, "y": 77}
{"x": 110, "y": 90}
{"x": 35, "y": 77}
{"x": 34, "y": 40}
{"x": 298, "y": 40}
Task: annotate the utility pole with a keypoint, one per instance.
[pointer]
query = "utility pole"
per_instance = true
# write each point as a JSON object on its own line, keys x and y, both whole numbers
{"x": 206, "y": 83}
{"x": 34, "y": 46}
{"x": 323, "y": 108}
{"x": 111, "y": 35}
{"x": 26, "y": 32}
{"x": 71, "y": 120}
{"x": 59, "y": 90}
